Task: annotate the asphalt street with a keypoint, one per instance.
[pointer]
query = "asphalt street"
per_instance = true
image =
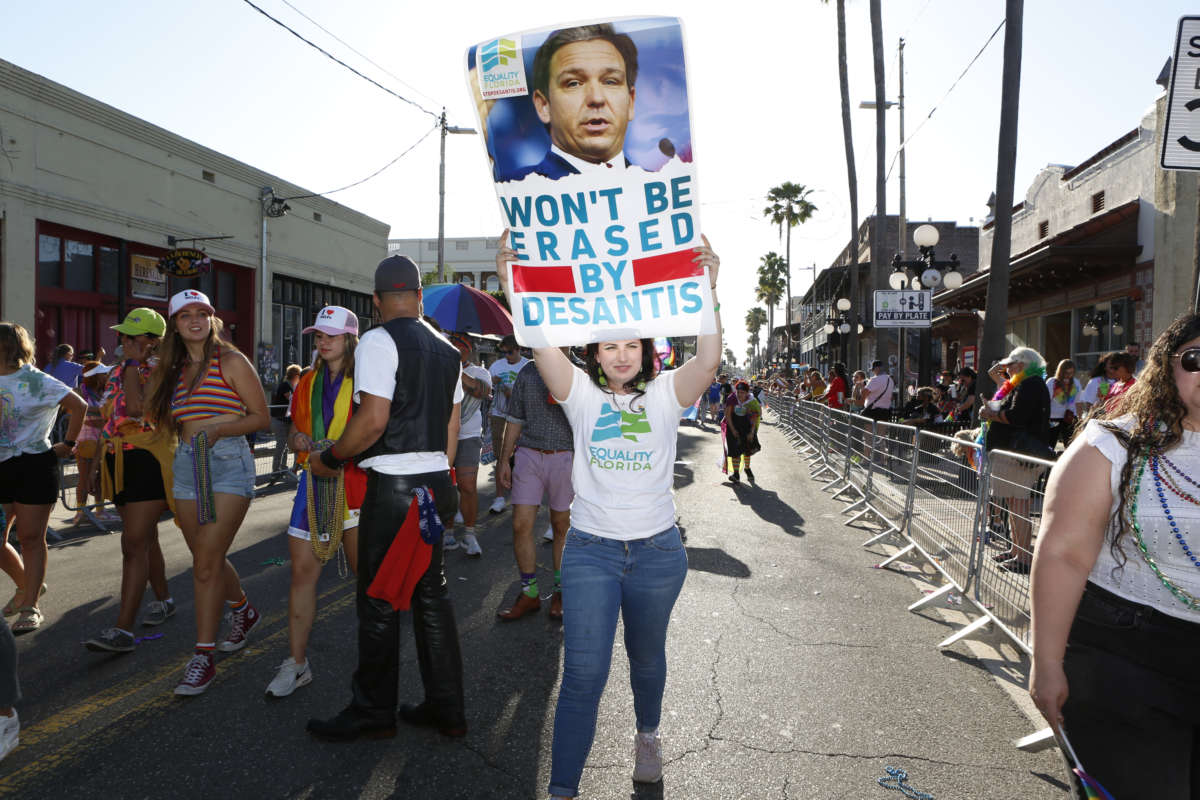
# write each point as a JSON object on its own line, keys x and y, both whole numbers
{"x": 795, "y": 672}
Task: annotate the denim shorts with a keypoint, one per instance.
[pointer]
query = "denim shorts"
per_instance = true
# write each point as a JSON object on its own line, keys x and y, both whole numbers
{"x": 230, "y": 464}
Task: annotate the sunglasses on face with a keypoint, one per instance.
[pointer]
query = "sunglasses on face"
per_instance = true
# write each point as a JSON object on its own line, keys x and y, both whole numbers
{"x": 1189, "y": 359}
{"x": 506, "y": 352}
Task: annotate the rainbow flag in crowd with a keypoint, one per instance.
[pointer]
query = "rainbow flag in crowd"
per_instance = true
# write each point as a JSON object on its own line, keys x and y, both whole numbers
{"x": 665, "y": 352}
{"x": 1090, "y": 785}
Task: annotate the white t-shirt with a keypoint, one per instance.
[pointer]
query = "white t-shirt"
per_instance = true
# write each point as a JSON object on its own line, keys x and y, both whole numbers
{"x": 29, "y": 401}
{"x": 507, "y": 373}
{"x": 1058, "y": 409}
{"x": 624, "y": 466}
{"x": 1096, "y": 390}
{"x": 471, "y": 414}
{"x": 1137, "y": 582}
{"x": 375, "y": 364}
{"x": 879, "y": 391}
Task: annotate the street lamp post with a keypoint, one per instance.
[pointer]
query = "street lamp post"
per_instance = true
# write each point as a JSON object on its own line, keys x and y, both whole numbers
{"x": 441, "y": 265}
{"x": 929, "y": 273}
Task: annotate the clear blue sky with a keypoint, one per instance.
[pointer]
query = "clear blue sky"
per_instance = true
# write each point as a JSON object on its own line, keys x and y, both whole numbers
{"x": 763, "y": 86}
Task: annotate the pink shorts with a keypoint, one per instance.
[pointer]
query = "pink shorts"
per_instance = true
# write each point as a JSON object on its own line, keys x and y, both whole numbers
{"x": 536, "y": 474}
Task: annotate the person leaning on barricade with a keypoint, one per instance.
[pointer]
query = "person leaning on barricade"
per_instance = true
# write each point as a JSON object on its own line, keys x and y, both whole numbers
{"x": 878, "y": 393}
{"x": 1017, "y": 419}
{"x": 1115, "y": 587}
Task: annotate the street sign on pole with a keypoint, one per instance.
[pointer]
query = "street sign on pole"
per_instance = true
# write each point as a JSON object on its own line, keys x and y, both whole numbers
{"x": 903, "y": 309}
{"x": 1181, "y": 133}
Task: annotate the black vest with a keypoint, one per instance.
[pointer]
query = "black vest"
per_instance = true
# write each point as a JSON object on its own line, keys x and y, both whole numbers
{"x": 426, "y": 378}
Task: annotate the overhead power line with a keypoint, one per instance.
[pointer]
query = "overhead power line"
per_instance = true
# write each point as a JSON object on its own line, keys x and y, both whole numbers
{"x": 373, "y": 174}
{"x": 332, "y": 57}
{"x": 360, "y": 54}
{"x": 938, "y": 104}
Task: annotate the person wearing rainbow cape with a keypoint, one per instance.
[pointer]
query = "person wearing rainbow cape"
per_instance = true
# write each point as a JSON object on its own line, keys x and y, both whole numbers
{"x": 325, "y": 511}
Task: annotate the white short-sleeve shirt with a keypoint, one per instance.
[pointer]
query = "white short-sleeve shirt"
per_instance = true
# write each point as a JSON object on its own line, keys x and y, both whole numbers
{"x": 375, "y": 364}
{"x": 29, "y": 401}
{"x": 624, "y": 467}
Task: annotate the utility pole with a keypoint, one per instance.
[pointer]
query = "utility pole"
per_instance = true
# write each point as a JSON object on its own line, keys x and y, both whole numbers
{"x": 878, "y": 261}
{"x": 996, "y": 319}
{"x": 441, "y": 250}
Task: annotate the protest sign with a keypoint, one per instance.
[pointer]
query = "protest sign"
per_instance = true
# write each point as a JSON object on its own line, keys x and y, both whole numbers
{"x": 588, "y": 132}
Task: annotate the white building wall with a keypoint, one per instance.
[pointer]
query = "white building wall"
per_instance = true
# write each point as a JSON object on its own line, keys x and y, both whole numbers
{"x": 72, "y": 160}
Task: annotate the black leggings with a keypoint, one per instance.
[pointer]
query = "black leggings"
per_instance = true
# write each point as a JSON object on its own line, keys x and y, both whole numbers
{"x": 1133, "y": 713}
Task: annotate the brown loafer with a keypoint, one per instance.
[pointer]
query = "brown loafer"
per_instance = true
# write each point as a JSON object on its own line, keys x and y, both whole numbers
{"x": 524, "y": 605}
{"x": 556, "y": 606}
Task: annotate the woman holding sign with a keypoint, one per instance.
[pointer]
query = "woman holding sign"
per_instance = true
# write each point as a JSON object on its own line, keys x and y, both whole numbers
{"x": 623, "y": 556}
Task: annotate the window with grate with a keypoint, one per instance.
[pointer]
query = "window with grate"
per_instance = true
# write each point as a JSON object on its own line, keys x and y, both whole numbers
{"x": 432, "y": 246}
{"x": 1043, "y": 229}
{"x": 462, "y": 245}
{"x": 211, "y": 177}
{"x": 316, "y": 216}
{"x": 1098, "y": 202}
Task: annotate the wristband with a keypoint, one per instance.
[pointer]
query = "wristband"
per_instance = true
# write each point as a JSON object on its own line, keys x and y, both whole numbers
{"x": 330, "y": 460}
{"x": 70, "y": 443}
{"x": 716, "y": 306}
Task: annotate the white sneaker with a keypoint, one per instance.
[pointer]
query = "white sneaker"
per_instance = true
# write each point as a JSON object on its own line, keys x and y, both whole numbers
{"x": 472, "y": 545}
{"x": 289, "y": 678}
{"x": 498, "y": 506}
{"x": 548, "y": 536}
{"x": 449, "y": 542}
{"x": 647, "y": 750}
{"x": 458, "y": 520}
{"x": 10, "y": 727}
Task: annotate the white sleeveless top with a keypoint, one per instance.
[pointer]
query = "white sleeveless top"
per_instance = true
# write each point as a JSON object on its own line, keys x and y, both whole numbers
{"x": 1136, "y": 581}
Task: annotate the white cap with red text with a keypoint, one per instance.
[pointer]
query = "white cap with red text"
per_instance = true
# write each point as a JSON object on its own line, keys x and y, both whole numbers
{"x": 334, "y": 320}
{"x": 188, "y": 297}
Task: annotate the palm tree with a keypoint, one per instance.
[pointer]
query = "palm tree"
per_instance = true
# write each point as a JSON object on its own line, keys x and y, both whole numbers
{"x": 771, "y": 286}
{"x": 878, "y": 259}
{"x": 851, "y": 178}
{"x": 754, "y": 340}
{"x": 789, "y": 207}
{"x": 755, "y": 319}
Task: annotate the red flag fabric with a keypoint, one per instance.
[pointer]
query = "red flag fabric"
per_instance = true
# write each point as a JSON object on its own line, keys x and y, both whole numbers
{"x": 405, "y": 563}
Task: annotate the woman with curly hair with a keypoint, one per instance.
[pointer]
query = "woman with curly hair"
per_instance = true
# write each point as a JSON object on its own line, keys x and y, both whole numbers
{"x": 206, "y": 393}
{"x": 1116, "y": 590}
{"x": 624, "y": 559}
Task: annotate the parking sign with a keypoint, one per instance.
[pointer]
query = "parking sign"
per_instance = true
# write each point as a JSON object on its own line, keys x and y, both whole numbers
{"x": 903, "y": 309}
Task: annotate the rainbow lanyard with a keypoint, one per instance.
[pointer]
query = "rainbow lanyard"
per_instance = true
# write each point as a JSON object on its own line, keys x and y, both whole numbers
{"x": 1004, "y": 391}
{"x": 1092, "y": 786}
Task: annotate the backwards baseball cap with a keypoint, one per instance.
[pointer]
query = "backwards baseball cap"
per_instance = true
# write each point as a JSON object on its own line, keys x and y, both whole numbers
{"x": 334, "y": 320}
{"x": 188, "y": 297}
{"x": 140, "y": 321}
{"x": 397, "y": 274}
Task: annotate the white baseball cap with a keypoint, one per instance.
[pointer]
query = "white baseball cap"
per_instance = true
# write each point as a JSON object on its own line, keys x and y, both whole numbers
{"x": 188, "y": 297}
{"x": 334, "y": 320}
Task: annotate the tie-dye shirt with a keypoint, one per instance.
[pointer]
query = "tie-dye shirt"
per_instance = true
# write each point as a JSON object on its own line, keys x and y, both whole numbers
{"x": 29, "y": 401}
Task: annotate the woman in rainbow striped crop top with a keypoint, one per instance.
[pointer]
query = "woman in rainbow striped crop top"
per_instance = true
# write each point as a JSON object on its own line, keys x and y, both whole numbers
{"x": 208, "y": 394}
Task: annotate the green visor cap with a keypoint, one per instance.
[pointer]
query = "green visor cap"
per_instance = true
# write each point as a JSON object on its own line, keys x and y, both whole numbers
{"x": 142, "y": 320}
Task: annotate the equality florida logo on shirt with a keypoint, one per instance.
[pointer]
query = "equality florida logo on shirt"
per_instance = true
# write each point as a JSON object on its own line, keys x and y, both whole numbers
{"x": 616, "y": 426}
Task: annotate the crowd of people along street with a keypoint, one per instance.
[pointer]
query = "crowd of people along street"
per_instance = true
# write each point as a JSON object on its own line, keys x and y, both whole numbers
{"x": 162, "y": 431}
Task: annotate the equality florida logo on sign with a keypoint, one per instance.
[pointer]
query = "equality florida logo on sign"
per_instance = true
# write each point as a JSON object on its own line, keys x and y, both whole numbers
{"x": 502, "y": 70}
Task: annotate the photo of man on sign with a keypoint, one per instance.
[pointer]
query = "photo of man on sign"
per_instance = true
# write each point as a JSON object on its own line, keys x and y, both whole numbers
{"x": 601, "y": 203}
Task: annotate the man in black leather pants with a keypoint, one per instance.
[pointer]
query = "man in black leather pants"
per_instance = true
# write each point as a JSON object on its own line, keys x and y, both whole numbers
{"x": 403, "y": 433}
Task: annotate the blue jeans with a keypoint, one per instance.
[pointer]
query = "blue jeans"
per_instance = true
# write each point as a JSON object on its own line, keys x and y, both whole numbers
{"x": 601, "y": 578}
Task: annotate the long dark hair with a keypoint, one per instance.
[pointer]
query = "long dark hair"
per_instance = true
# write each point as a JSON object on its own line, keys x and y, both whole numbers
{"x": 644, "y": 376}
{"x": 1158, "y": 412}
{"x": 172, "y": 357}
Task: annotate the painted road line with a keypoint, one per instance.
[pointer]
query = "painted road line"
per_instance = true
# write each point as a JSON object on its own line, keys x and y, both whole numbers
{"x": 77, "y": 716}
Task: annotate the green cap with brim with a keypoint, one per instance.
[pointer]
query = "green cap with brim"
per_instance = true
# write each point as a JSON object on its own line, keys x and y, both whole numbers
{"x": 142, "y": 320}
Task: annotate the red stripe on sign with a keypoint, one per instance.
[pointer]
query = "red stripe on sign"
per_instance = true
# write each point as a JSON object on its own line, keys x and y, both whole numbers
{"x": 667, "y": 267}
{"x": 560, "y": 280}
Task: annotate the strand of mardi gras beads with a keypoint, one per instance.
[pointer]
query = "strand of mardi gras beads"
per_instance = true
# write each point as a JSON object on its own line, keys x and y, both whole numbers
{"x": 1178, "y": 593}
{"x": 206, "y": 510}
{"x": 326, "y": 500}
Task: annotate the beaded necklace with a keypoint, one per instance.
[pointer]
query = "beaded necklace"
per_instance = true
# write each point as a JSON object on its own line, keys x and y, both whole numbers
{"x": 1177, "y": 592}
{"x": 206, "y": 507}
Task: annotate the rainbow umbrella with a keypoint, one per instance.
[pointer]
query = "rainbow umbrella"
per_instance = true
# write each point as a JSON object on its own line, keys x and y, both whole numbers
{"x": 458, "y": 307}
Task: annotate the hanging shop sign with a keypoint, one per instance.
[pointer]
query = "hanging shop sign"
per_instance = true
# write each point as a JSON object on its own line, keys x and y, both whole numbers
{"x": 145, "y": 278}
{"x": 185, "y": 263}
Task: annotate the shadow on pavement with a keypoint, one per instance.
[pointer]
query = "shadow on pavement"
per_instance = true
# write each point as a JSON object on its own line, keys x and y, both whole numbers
{"x": 769, "y": 508}
{"x": 716, "y": 561}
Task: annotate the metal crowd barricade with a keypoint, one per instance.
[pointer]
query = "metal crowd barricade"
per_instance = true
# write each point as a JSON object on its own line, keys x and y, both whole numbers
{"x": 826, "y": 455}
{"x": 945, "y": 509}
{"x": 858, "y": 464}
{"x": 813, "y": 419}
{"x": 838, "y": 442}
{"x": 68, "y": 479}
{"x": 893, "y": 460}
{"x": 1016, "y": 491}
{"x": 265, "y": 448}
